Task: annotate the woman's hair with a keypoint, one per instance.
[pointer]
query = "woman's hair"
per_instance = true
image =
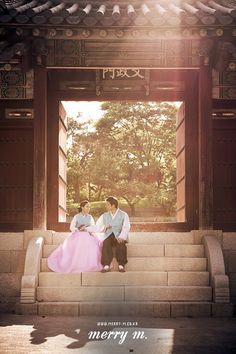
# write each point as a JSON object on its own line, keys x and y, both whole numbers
{"x": 112, "y": 201}
{"x": 82, "y": 204}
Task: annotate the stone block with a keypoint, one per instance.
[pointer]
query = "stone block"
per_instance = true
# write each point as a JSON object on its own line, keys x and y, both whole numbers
{"x": 5, "y": 261}
{"x": 128, "y": 278}
{"x": 184, "y": 251}
{"x": 222, "y": 310}
{"x": 116, "y": 309}
{"x": 166, "y": 264}
{"x": 161, "y": 309}
{"x": 190, "y": 309}
{"x": 28, "y": 281}
{"x": 161, "y": 237}
{"x": 17, "y": 261}
{"x": 59, "y": 237}
{"x": 229, "y": 241}
{"x": 221, "y": 281}
{"x": 28, "y": 295}
{"x": 27, "y": 309}
{"x": 48, "y": 249}
{"x": 216, "y": 263}
{"x": 11, "y": 241}
{"x": 168, "y": 293}
{"x": 80, "y": 294}
{"x": 134, "y": 250}
{"x": 58, "y": 309}
{"x": 198, "y": 235}
{"x": 188, "y": 278}
{"x": 10, "y": 284}
{"x": 46, "y": 234}
{"x": 51, "y": 279}
{"x": 44, "y": 265}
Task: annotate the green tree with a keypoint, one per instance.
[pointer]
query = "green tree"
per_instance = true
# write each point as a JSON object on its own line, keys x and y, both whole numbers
{"x": 130, "y": 153}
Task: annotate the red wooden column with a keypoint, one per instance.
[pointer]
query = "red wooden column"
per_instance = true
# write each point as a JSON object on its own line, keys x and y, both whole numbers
{"x": 205, "y": 148}
{"x": 40, "y": 149}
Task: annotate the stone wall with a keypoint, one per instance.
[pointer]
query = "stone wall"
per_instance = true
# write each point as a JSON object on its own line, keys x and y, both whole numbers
{"x": 229, "y": 250}
{"x": 12, "y": 258}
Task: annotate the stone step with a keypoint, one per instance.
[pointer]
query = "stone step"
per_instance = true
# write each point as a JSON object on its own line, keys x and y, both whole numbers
{"x": 156, "y": 264}
{"x": 51, "y": 279}
{"x": 184, "y": 250}
{"x": 143, "y": 237}
{"x": 139, "y": 308}
{"x": 157, "y": 250}
{"x": 132, "y": 308}
{"x": 127, "y": 293}
{"x": 132, "y": 249}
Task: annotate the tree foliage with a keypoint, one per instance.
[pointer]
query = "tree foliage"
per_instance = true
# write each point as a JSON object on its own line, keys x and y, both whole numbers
{"x": 130, "y": 153}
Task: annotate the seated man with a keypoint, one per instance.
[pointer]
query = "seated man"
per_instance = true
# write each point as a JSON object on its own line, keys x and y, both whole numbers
{"x": 116, "y": 225}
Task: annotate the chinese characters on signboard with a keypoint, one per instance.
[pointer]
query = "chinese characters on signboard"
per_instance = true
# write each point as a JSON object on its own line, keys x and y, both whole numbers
{"x": 121, "y": 73}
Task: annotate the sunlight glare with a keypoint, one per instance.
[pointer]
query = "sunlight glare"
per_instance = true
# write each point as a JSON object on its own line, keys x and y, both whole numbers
{"x": 85, "y": 109}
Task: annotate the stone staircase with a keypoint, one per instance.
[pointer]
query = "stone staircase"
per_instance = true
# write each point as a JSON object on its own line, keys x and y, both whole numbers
{"x": 166, "y": 276}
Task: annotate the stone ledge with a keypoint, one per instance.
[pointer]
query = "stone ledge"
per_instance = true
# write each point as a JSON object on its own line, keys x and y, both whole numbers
{"x": 199, "y": 234}
{"x": 32, "y": 269}
{"x": 214, "y": 255}
{"x": 193, "y": 309}
{"x": 46, "y": 234}
{"x": 11, "y": 241}
{"x": 27, "y": 309}
{"x": 58, "y": 309}
{"x": 149, "y": 309}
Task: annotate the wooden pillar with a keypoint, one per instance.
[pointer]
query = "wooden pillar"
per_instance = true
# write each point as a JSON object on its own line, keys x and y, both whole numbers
{"x": 205, "y": 147}
{"x": 40, "y": 149}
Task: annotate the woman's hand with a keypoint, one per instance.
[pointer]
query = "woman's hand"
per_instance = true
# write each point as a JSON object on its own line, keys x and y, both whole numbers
{"x": 82, "y": 228}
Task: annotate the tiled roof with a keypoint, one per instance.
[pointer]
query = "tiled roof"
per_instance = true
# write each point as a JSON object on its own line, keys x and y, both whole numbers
{"x": 118, "y": 13}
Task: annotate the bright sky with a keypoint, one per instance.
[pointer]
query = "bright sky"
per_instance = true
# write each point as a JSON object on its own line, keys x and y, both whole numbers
{"x": 88, "y": 109}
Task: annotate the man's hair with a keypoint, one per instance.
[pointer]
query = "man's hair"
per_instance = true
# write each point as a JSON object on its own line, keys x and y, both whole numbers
{"x": 112, "y": 201}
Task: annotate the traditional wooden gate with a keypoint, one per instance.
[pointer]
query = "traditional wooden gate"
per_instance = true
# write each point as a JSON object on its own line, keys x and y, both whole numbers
{"x": 180, "y": 165}
{"x": 182, "y": 87}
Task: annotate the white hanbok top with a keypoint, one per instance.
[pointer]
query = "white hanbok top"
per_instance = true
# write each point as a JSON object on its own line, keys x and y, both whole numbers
{"x": 100, "y": 225}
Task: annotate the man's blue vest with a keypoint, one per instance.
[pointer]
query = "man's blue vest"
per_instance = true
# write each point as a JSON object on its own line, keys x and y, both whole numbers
{"x": 116, "y": 222}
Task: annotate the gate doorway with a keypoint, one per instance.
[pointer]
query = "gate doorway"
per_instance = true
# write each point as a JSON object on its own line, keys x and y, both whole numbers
{"x": 184, "y": 212}
{"x": 126, "y": 149}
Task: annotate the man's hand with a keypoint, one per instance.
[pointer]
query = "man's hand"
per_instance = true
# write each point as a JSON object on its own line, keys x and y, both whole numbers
{"x": 120, "y": 240}
{"x": 107, "y": 228}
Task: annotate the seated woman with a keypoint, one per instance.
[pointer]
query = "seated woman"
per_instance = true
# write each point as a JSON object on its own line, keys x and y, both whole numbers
{"x": 81, "y": 250}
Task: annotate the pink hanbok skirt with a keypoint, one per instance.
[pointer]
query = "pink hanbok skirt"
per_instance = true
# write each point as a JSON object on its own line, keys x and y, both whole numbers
{"x": 80, "y": 252}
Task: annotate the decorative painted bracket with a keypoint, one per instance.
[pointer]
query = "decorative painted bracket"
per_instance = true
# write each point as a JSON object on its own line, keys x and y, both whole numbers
{"x": 216, "y": 266}
{"x": 29, "y": 281}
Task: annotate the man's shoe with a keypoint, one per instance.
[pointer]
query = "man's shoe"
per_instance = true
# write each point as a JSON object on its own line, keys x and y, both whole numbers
{"x": 121, "y": 268}
{"x": 106, "y": 269}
